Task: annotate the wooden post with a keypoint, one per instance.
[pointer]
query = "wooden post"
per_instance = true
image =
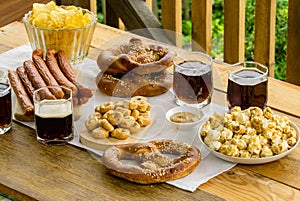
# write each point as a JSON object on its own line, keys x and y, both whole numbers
{"x": 264, "y": 42}
{"x": 111, "y": 17}
{"x": 93, "y": 6}
{"x": 149, "y": 3}
{"x": 171, "y": 19}
{"x": 234, "y": 30}
{"x": 293, "y": 43}
{"x": 202, "y": 25}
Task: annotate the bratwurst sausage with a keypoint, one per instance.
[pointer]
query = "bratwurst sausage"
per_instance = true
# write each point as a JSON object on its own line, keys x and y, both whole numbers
{"x": 20, "y": 92}
{"x": 65, "y": 66}
{"x": 36, "y": 79}
{"x": 57, "y": 73}
{"x": 47, "y": 76}
{"x": 68, "y": 71}
{"x": 25, "y": 80}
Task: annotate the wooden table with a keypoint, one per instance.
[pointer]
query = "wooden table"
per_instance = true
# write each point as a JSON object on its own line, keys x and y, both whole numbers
{"x": 32, "y": 171}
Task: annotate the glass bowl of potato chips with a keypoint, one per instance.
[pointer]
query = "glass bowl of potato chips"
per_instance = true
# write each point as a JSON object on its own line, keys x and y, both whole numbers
{"x": 66, "y": 28}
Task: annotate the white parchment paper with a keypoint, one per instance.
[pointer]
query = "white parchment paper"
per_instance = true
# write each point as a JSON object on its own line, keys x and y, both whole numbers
{"x": 209, "y": 167}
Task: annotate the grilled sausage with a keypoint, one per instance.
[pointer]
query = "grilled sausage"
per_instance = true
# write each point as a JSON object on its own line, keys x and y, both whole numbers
{"x": 68, "y": 71}
{"x": 37, "y": 52}
{"x": 57, "y": 73}
{"x": 25, "y": 80}
{"x": 47, "y": 76}
{"x": 36, "y": 79}
{"x": 21, "y": 94}
{"x": 65, "y": 66}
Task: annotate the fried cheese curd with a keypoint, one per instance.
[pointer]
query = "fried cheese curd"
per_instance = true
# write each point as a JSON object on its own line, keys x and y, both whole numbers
{"x": 119, "y": 119}
{"x": 249, "y": 133}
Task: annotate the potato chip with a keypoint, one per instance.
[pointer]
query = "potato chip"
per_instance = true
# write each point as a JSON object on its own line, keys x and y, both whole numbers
{"x": 53, "y": 17}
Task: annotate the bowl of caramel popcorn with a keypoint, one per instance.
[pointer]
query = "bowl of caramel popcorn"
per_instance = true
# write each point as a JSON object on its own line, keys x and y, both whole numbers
{"x": 250, "y": 136}
{"x": 66, "y": 28}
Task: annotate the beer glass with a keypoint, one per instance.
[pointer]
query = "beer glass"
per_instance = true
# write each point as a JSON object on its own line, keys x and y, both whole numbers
{"x": 5, "y": 103}
{"x": 192, "y": 83}
{"x": 247, "y": 85}
{"x": 53, "y": 118}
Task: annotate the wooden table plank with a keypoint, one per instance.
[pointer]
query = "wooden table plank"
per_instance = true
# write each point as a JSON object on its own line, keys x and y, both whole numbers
{"x": 246, "y": 185}
{"x": 9, "y": 41}
{"x": 69, "y": 173}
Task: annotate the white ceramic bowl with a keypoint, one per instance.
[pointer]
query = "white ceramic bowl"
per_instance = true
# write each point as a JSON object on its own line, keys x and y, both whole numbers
{"x": 252, "y": 160}
{"x": 185, "y": 126}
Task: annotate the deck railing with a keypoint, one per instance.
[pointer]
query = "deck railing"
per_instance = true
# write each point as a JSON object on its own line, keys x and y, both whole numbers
{"x": 234, "y": 28}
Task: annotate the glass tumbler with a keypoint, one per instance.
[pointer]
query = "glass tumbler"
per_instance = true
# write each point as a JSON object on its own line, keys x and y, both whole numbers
{"x": 247, "y": 85}
{"x": 192, "y": 83}
{"x": 53, "y": 117}
{"x": 5, "y": 103}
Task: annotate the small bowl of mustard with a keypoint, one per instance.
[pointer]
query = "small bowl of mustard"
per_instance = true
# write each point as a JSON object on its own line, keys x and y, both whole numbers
{"x": 183, "y": 117}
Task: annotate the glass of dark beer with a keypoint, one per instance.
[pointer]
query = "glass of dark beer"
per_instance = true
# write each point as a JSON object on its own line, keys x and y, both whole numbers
{"x": 53, "y": 117}
{"x": 247, "y": 85}
{"x": 5, "y": 104}
{"x": 192, "y": 82}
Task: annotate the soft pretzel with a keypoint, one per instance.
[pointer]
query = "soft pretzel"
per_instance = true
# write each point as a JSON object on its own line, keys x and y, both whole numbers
{"x": 136, "y": 55}
{"x": 135, "y": 68}
{"x": 132, "y": 84}
{"x": 154, "y": 164}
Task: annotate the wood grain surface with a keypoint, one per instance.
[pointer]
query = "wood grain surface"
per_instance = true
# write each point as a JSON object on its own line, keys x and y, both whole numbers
{"x": 265, "y": 20}
{"x": 234, "y": 30}
{"x": 32, "y": 171}
{"x": 14, "y": 10}
{"x": 293, "y": 68}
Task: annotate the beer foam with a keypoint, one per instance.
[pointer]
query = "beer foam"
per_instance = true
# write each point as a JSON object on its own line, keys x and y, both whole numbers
{"x": 4, "y": 89}
{"x": 193, "y": 68}
{"x": 53, "y": 108}
{"x": 248, "y": 79}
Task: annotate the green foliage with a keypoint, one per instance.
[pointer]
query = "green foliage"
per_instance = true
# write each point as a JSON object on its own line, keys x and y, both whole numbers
{"x": 100, "y": 17}
{"x": 186, "y": 31}
{"x": 249, "y": 30}
{"x": 217, "y": 29}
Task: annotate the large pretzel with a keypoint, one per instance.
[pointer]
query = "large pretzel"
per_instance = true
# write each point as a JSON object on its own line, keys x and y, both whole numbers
{"x": 153, "y": 163}
{"x": 137, "y": 55}
{"x": 135, "y": 68}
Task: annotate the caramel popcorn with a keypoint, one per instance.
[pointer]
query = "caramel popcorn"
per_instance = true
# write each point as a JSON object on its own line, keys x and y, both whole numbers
{"x": 249, "y": 133}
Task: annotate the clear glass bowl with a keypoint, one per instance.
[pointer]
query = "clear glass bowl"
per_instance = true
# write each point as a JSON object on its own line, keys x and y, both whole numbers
{"x": 75, "y": 42}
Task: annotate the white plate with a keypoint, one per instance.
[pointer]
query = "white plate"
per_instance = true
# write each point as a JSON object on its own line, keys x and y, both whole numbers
{"x": 252, "y": 160}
